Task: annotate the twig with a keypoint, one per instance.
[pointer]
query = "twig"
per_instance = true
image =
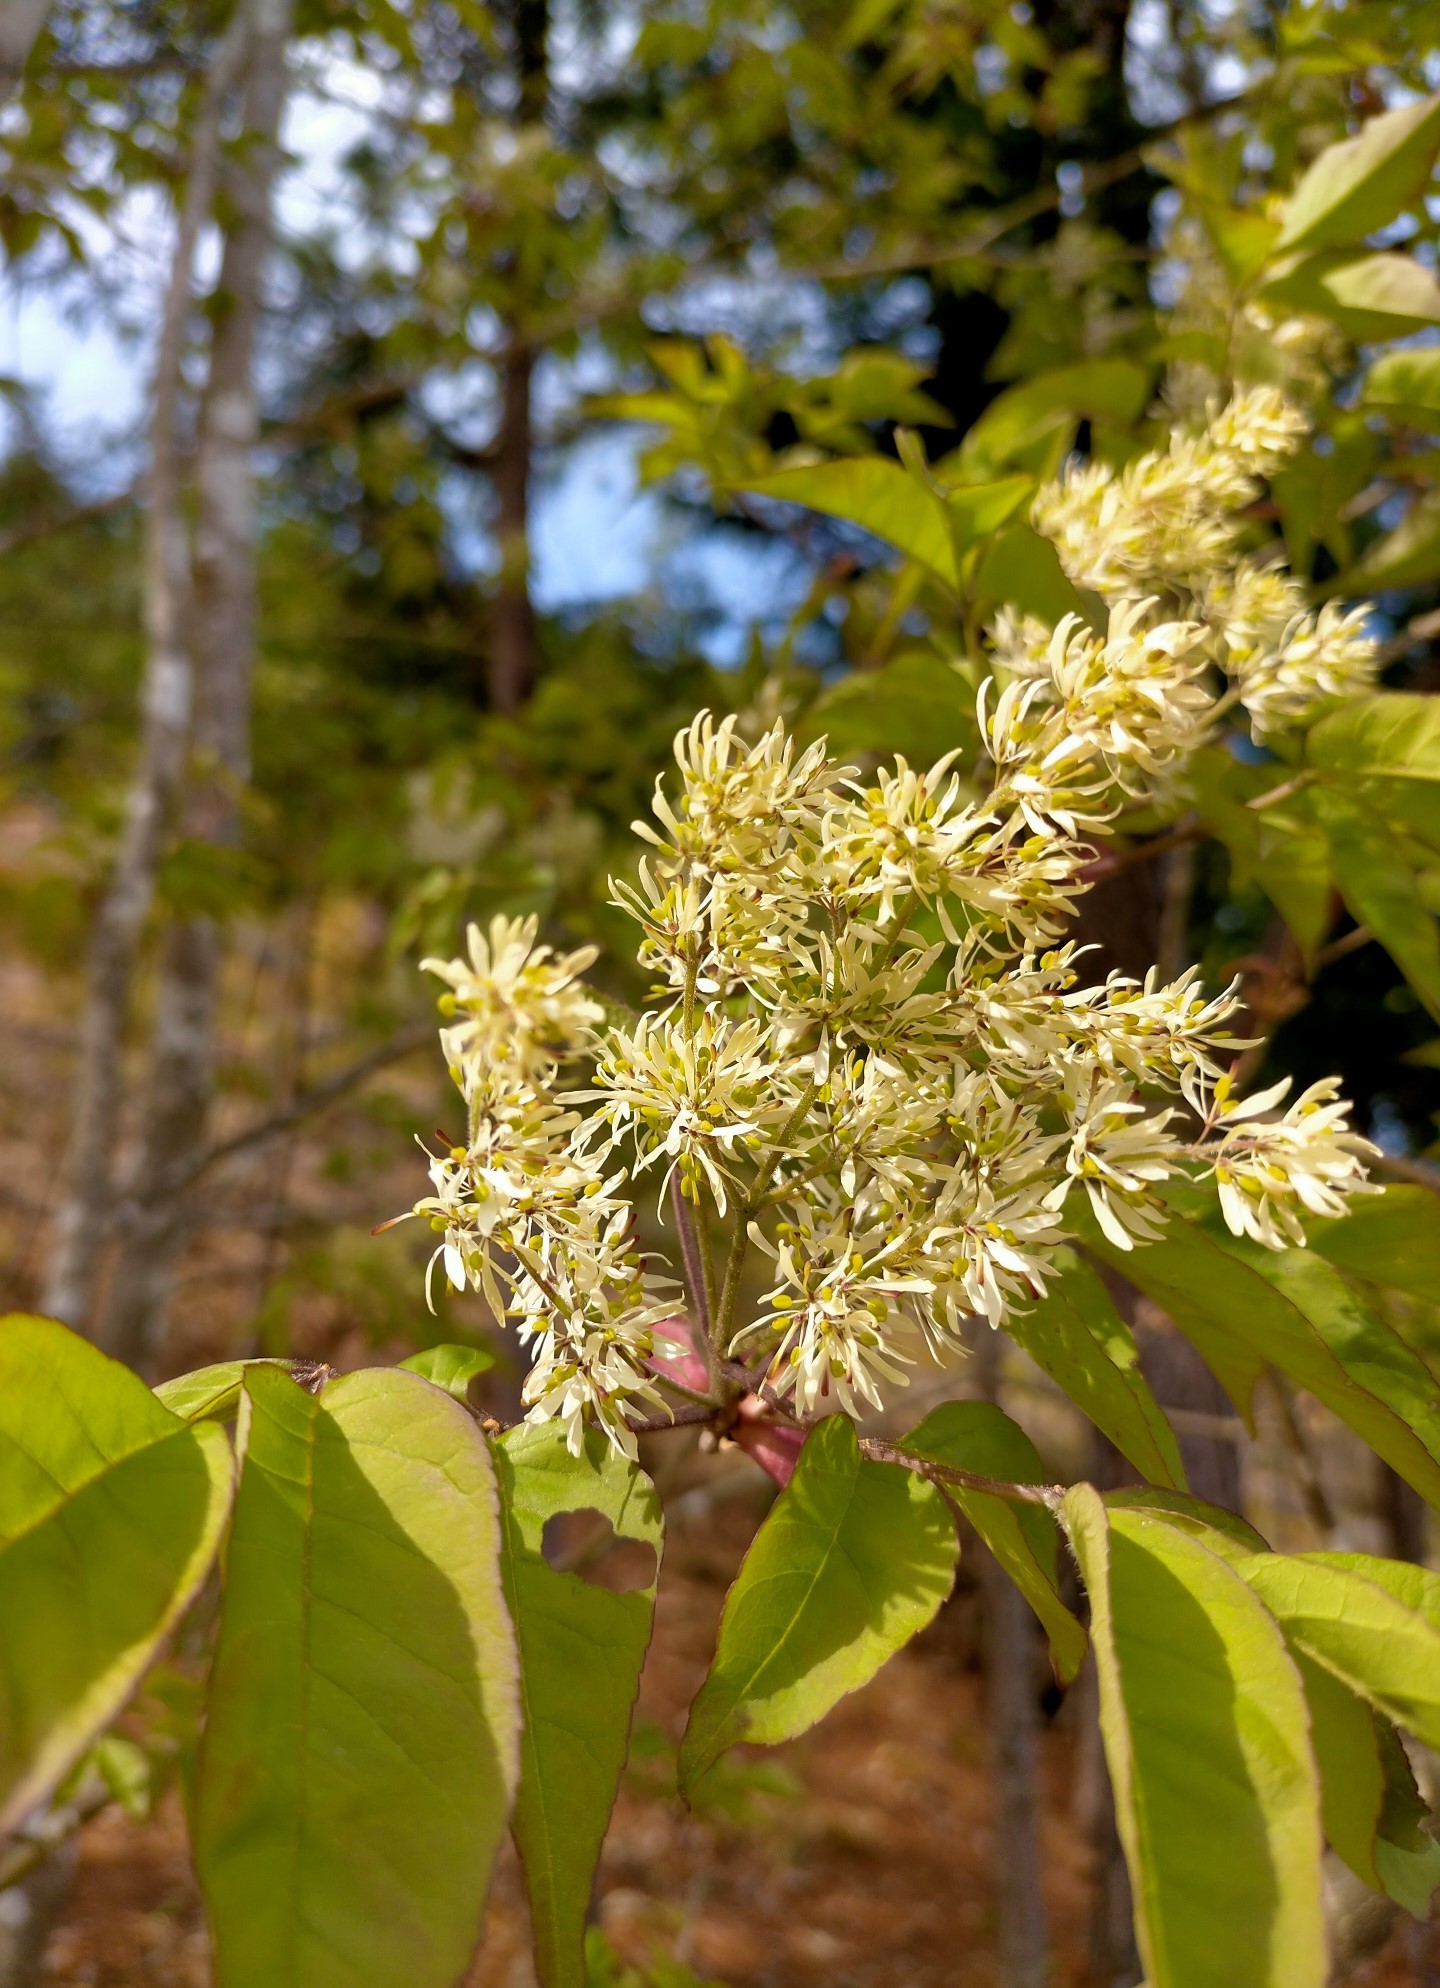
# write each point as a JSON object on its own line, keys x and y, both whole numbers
{"x": 1275, "y": 795}
{"x": 1350, "y": 942}
{"x": 1115, "y": 861}
{"x": 879, "y": 1451}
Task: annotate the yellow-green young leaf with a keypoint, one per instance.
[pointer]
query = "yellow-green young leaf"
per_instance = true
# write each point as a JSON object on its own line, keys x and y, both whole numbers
{"x": 1113, "y": 390}
{"x": 1406, "y": 384}
{"x": 880, "y": 497}
{"x": 1076, "y": 1336}
{"x": 581, "y": 1648}
{"x": 1223, "y": 1531}
{"x": 450, "y": 1367}
{"x": 977, "y": 509}
{"x": 1385, "y": 751}
{"x": 1391, "y": 1238}
{"x": 1370, "y": 1807}
{"x": 1380, "y": 889}
{"x": 111, "y": 1511}
{"x": 975, "y": 1435}
{"x": 1415, "y": 1588}
{"x": 1357, "y": 1630}
{"x": 359, "y": 1755}
{"x": 1368, "y": 297}
{"x": 1204, "y": 1722}
{"x": 1297, "y": 1312}
{"x": 1020, "y": 569}
{"x": 1355, "y": 187}
{"x": 854, "y": 1558}
{"x": 210, "y": 1393}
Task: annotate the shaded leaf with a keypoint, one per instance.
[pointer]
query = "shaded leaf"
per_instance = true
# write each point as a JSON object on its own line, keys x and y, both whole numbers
{"x": 1021, "y": 569}
{"x": 1390, "y": 1238}
{"x": 581, "y": 1648}
{"x": 1205, "y": 1729}
{"x": 1385, "y": 752}
{"x": 1195, "y": 1515}
{"x": 853, "y": 1559}
{"x": 975, "y": 1435}
{"x": 917, "y": 706}
{"x": 359, "y": 1755}
{"x": 1360, "y": 184}
{"x": 1408, "y": 556}
{"x": 210, "y": 1393}
{"x": 1076, "y": 1336}
{"x": 1380, "y": 889}
{"x": 1406, "y": 384}
{"x": 111, "y": 1512}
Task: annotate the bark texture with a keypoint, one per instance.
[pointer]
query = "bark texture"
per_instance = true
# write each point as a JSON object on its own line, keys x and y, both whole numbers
{"x": 165, "y": 697}
{"x": 180, "y": 1076}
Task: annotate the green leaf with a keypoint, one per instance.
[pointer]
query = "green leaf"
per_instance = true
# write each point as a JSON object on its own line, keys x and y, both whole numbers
{"x": 918, "y": 706}
{"x": 1076, "y": 1336}
{"x": 1362, "y": 183}
{"x": 880, "y": 497}
{"x": 1025, "y": 1539}
{"x": 1358, "y": 1631}
{"x": 1177, "y": 1272}
{"x": 1380, "y": 889}
{"x": 1384, "y": 751}
{"x": 1408, "y": 556}
{"x": 450, "y": 1367}
{"x": 1021, "y": 569}
{"x": 1113, "y": 390}
{"x": 359, "y": 1755}
{"x": 581, "y": 1648}
{"x": 1205, "y": 1730}
{"x": 1195, "y": 1515}
{"x": 1406, "y": 384}
{"x": 977, "y": 509}
{"x": 1370, "y": 1807}
{"x": 1300, "y": 1315}
{"x": 111, "y": 1512}
{"x": 854, "y": 1558}
{"x": 210, "y": 1393}
{"x": 1391, "y": 1238}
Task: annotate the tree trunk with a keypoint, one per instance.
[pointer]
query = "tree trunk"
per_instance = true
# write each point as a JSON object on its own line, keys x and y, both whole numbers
{"x": 81, "y": 1220}
{"x": 20, "y": 23}
{"x": 512, "y": 640}
{"x": 180, "y": 1078}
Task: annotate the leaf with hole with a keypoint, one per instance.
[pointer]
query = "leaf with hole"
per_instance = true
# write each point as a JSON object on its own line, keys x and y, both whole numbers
{"x": 111, "y": 1511}
{"x": 1024, "y": 1538}
{"x": 1205, "y": 1727}
{"x": 359, "y": 1755}
{"x": 581, "y": 1649}
{"x": 854, "y": 1558}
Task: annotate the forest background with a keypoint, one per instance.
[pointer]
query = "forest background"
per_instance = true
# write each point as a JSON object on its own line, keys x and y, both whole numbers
{"x": 386, "y": 389}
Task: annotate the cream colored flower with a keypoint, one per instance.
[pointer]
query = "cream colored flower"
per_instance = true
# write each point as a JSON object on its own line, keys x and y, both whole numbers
{"x": 1270, "y": 1170}
{"x": 519, "y": 1003}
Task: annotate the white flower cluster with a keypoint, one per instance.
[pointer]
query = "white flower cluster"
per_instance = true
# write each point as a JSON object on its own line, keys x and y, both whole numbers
{"x": 870, "y": 1060}
{"x": 1162, "y": 541}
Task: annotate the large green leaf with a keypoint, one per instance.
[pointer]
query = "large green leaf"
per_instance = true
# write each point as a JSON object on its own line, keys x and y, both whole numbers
{"x": 880, "y": 497}
{"x": 1359, "y": 185}
{"x": 1223, "y": 1531}
{"x": 1385, "y": 751}
{"x": 1018, "y": 568}
{"x": 1113, "y": 390}
{"x": 853, "y": 1559}
{"x": 1371, "y": 1809}
{"x": 1390, "y": 1238}
{"x": 975, "y": 1435}
{"x": 359, "y": 1755}
{"x": 1177, "y": 1273}
{"x": 1075, "y": 1334}
{"x": 917, "y": 706}
{"x": 210, "y": 1393}
{"x": 450, "y": 1367}
{"x": 581, "y": 1648}
{"x": 1295, "y": 1311}
{"x": 111, "y": 1511}
{"x": 1357, "y": 1630}
{"x": 1204, "y": 1722}
{"x": 1380, "y": 889}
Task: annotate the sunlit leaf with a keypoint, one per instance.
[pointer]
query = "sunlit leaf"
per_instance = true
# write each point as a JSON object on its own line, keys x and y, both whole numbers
{"x": 111, "y": 1512}
{"x": 1380, "y": 889}
{"x": 1205, "y": 1728}
{"x": 1390, "y": 1238}
{"x": 879, "y": 496}
{"x": 853, "y": 1559}
{"x": 359, "y": 1754}
{"x": 1360, "y": 184}
{"x": 450, "y": 1367}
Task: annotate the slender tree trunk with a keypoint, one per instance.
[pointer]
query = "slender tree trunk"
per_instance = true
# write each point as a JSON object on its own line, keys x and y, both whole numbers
{"x": 165, "y": 723}
{"x": 180, "y": 1079}
{"x": 20, "y": 24}
{"x": 512, "y": 641}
